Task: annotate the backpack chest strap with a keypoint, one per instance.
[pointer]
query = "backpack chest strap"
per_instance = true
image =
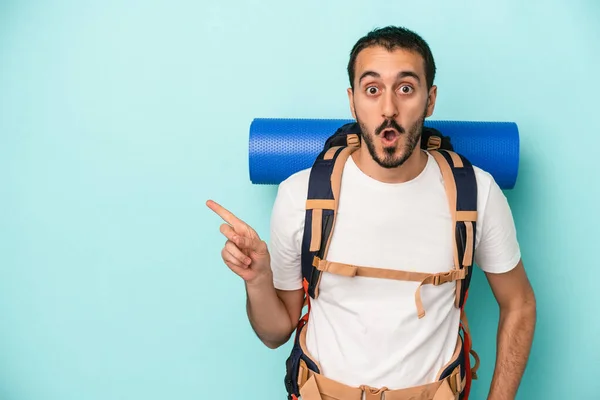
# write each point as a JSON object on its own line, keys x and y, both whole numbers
{"x": 383, "y": 273}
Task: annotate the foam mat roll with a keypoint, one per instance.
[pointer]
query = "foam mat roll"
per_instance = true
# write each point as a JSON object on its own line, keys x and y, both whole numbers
{"x": 280, "y": 147}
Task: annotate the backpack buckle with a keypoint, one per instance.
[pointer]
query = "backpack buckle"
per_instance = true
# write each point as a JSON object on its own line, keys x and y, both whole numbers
{"x": 434, "y": 143}
{"x": 439, "y": 279}
{"x": 353, "y": 140}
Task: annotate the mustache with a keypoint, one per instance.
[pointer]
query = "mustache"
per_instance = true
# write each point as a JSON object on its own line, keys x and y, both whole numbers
{"x": 390, "y": 123}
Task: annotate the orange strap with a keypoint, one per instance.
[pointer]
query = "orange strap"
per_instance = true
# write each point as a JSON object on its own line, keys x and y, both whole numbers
{"x": 436, "y": 280}
{"x": 450, "y": 186}
{"x": 336, "y": 185}
{"x": 318, "y": 205}
{"x": 424, "y": 278}
{"x": 468, "y": 256}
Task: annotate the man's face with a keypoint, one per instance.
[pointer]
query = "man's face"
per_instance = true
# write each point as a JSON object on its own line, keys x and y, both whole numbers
{"x": 390, "y": 102}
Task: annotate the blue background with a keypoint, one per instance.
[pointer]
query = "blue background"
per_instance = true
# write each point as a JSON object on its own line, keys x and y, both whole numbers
{"x": 118, "y": 120}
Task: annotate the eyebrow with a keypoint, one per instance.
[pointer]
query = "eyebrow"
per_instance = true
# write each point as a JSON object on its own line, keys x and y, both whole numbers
{"x": 401, "y": 74}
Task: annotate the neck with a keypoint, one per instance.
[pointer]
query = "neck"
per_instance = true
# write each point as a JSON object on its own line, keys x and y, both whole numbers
{"x": 411, "y": 168}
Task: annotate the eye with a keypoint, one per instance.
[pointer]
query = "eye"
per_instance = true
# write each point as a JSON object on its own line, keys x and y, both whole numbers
{"x": 372, "y": 90}
{"x": 405, "y": 89}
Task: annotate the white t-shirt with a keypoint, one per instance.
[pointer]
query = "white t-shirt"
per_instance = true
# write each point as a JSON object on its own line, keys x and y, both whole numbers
{"x": 366, "y": 330}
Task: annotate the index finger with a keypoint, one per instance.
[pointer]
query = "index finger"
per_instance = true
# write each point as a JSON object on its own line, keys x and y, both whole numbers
{"x": 224, "y": 213}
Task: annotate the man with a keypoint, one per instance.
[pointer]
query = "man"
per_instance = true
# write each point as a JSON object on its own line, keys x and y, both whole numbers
{"x": 393, "y": 214}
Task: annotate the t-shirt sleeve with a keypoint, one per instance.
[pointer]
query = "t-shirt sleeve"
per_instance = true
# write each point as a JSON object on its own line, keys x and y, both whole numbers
{"x": 497, "y": 250}
{"x": 287, "y": 224}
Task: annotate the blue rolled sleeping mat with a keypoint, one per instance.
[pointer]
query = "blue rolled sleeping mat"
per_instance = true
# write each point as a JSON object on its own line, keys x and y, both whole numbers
{"x": 280, "y": 147}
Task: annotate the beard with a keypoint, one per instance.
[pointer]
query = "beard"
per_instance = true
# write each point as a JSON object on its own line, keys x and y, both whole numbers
{"x": 391, "y": 157}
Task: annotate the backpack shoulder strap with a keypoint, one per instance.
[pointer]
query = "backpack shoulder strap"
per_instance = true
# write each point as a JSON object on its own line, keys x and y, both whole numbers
{"x": 461, "y": 189}
{"x": 321, "y": 208}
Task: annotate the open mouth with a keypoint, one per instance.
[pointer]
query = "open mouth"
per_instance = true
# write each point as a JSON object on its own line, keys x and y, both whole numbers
{"x": 389, "y": 136}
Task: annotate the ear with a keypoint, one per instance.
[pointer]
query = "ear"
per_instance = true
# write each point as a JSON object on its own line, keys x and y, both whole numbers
{"x": 431, "y": 100}
{"x": 351, "y": 101}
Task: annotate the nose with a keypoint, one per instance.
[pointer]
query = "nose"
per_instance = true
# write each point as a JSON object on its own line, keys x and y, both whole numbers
{"x": 389, "y": 106}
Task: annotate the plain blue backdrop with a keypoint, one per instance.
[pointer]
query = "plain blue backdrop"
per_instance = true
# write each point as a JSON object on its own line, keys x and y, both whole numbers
{"x": 118, "y": 120}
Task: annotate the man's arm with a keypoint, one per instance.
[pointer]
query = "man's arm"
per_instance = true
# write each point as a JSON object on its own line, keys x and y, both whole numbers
{"x": 273, "y": 313}
{"x": 517, "y": 303}
{"x": 274, "y": 306}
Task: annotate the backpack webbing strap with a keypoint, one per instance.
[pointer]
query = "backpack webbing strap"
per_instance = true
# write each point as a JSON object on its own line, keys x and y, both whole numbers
{"x": 465, "y": 327}
{"x": 461, "y": 190}
{"x": 321, "y": 207}
{"x": 384, "y": 273}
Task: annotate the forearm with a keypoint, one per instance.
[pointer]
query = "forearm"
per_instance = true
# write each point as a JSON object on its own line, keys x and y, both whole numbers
{"x": 515, "y": 335}
{"x": 267, "y": 313}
